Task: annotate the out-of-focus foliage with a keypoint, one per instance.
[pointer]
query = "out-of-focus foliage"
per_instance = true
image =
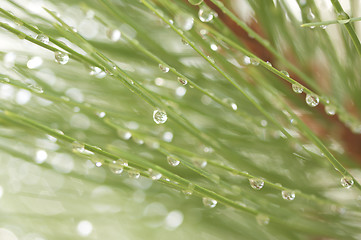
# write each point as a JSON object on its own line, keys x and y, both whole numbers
{"x": 225, "y": 146}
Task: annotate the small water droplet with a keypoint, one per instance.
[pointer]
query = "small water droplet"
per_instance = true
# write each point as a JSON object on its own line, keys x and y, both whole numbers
{"x": 205, "y": 14}
{"x": 323, "y": 27}
{"x": 184, "y": 21}
{"x": 101, "y": 114}
{"x": 21, "y": 35}
{"x": 116, "y": 168}
{"x": 78, "y": 147}
{"x": 195, "y": 2}
{"x": 154, "y": 175}
{"x": 347, "y": 182}
{"x": 211, "y": 60}
{"x": 133, "y": 173}
{"x": 113, "y": 34}
{"x": 35, "y": 88}
{"x": 98, "y": 161}
{"x": 269, "y": 63}
{"x": 43, "y": 38}
{"x": 183, "y": 81}
{"x": 343, "y": 18}
{"x": 312, "y": 100}
{"x": 262, "y": 219}
{"x": 189, "y": 190}
{"x": 288, "y": 195}
{"x": 61, "y": 57}
{"x": 163, "y": 68}
{"x": 172, "y": 161}
{"x": 214, "y": 47}
{"x": 184, "y": 42}
{"x": 201, "y": 163}
{"x": 256, "y": 183}
{"x": 209, "y": 202}
{"x": 255, "y": 61}
{"x": 159, "y": 116}
{"x": 330, "y": 109}
{"x": 285, "y": 73}
{"x": 297, "y": 88}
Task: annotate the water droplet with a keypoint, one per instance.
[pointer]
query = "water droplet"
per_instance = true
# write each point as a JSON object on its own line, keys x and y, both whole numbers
{"x": 133, "y": 173}
{"x": 323, "y": 27}
{"x": 256, "y": 183}
{"x": 116, "y": 167}
{"x": 255, "y": 61}
{"x": 211, "y": 60}
{"x": 172, "y": 161}
{"x": 189, "y": 190}
{"x": 35, "y": 88}
{"x": 285, "y": 73}
{"x": 113, "y": 34}
{"x": 78, "y": 147}
{"x": 214, "y": 47}
{"x": 184, "y": 42}
{"x": 154, "y": 175}
{"x": 347, "y": 182}
{"x": 159, "y": 116}
{"x": 195, "y": 2}
{"x": 101, "y": 114}
{"x": 209, "y": 202}
{"x": 297, "y": 88}
{"x": 205, "y": 14}
{"x": 21, "y": 35}
{"x": 312, "y": 100}
{"x": 201, "y": 163}
{"x": 269, "y": 63}
{"x": 61, "y": 57}
{"x": 43, "y": 38}
{"x": 163, "y": 68}
{"x": 98, "y": 161}
{"x": 184, "y": 21}
{"x": 262, "y": 219}
{"x": 343, "y": 18}
{"x": 330, "y": 109}
{"x": 288, "y": 195}
{"x": 182, "y": 81}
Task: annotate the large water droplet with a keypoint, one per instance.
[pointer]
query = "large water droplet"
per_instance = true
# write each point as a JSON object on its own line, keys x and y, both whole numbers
{"x": 183, "y": 81}
{"x": 35, "y": 88}
{"x": 172, "y": 161}
{"x": 205, "y": 14}
{"x": 297, "y": 88}
{"x": 312, "y": 100}
{"x": 159, "y": 116}
{"x": 256, "y": 183}
{"x": 288, "y": 195}
{"x": 154, "y": 175}
{"x": 184, "y": 21}
{"x": 163, "y": 68}
{"x": 343, "y": 18}
{"x": 330, "y": 109}
{"x": 61, "y": 57}
{"x": 195, "y": 2}
{"x": 43, "y": 38}
{"x": 347, "y": 182}
{"x": 262, "y": 219}
{"x": 209, "y": 202}
{"x": 113, "y": 34}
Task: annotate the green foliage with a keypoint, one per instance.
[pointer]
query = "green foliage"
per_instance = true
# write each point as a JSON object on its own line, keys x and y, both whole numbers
{"x": 227, "y": 144}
